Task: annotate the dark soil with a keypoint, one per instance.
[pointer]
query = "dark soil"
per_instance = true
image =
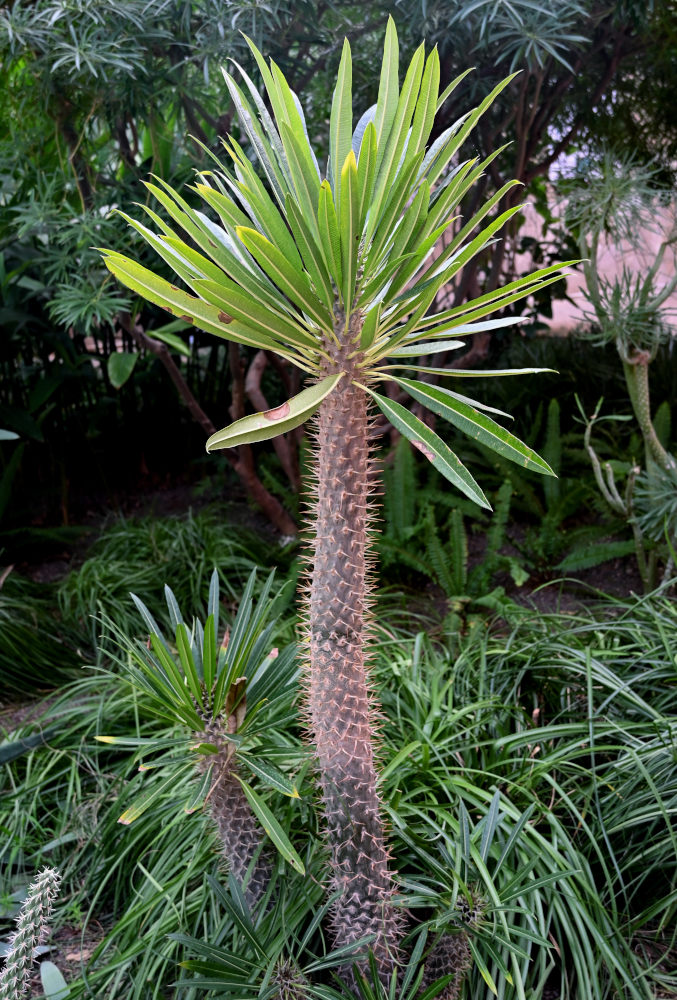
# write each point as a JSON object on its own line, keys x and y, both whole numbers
{"x": 70, "y": 949}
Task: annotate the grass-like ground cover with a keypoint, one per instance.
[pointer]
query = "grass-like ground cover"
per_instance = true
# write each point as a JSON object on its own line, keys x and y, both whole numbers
{"x": 529, "y": 779}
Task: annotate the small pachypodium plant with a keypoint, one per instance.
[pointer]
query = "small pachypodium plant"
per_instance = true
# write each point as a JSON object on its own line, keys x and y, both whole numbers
{"x": 336, "y": 272}
{"x": 226, "y": 695}
{"x": 618, "y": 207}
{"x": 31, "y": 931}
{"x": 451, "y": 954}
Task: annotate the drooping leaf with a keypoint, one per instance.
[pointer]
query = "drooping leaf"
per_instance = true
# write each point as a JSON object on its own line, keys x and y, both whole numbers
{"x": 432, "y": 446}
{"x": 272, "y": 828}
{"x": 200, "y": 791}
{"x": 270, "y": 775}
{"x": 482, "y": 966}
{"x": 475, "y": 424}
{"x": 146, "y": 800}
{"x": 269, "y": 423}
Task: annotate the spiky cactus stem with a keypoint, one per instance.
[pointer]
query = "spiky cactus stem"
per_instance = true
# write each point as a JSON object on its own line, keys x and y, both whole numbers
{"x": 340, "y": 705}
{"x": 31, "y": 930}
{"x": 450, "y": 956}
{"x": 239, "y": 832}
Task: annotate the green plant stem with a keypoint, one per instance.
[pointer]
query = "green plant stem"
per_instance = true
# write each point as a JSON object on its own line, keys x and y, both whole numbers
{"x": 636, "y": 371}
{"x": 340, "y": 706}
{"x": 624, "y": 507}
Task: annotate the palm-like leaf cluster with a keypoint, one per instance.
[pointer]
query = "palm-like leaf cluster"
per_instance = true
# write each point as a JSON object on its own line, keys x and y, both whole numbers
{"x": 232, "y": 699}
{"x": 336, "y": 274}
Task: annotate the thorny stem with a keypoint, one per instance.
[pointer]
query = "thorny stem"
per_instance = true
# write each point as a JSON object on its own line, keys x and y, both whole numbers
{"x": 31, "y": 930}
{"x": 340, "y": 704}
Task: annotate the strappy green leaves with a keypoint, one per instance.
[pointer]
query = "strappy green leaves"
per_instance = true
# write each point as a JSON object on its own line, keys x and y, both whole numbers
{"x": 476, "y": 425}
{"x": 432, "y": 446}
{"x": 280, "y": 258}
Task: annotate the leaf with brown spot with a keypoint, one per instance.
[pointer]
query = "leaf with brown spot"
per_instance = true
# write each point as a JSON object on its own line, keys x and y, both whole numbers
{"x": 278, "y": 413}
{"x": 432, "y": 446}
{"x": 269, "y": 423}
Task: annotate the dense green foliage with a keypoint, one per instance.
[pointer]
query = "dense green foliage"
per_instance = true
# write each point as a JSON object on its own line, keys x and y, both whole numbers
{"x": 527, "y": 755}
{"x": 94, "y": 102}
{"x": 559, "y": 729}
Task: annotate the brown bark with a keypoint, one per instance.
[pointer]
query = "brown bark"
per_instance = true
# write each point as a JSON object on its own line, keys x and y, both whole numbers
{"x": 252, "y": 387}
{"x": 241, "y": 459}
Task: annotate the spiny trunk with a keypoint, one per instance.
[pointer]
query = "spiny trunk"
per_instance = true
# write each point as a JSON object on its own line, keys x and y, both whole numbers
{"x": 339, "y": 701}
{"x": 239, "y": 831}
{"x": 450, "y": 956}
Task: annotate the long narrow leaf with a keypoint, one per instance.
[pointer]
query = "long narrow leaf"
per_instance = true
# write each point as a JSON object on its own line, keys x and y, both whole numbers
{"x": 341, "y": 120}
{"x": 269, "y": 423}
{"x": 292, "y": 282}
{"x": 432, "y": 446}
{"x": 473, "y": 423}
{"x": 350, "y": 228}
{"x": 388, "y": 89}
{"x": 188, "y": 307}
{"x": 270, "y": 775}
{"x": 272, "y": 828}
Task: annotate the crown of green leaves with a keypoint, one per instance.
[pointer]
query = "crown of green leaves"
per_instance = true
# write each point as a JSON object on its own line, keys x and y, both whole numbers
{"x": 296, "y": 260}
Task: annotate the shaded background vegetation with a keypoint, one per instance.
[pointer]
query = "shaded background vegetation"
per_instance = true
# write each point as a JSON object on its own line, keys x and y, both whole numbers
{"x": 97, "y": 97}
{"x": 562, "y": 724}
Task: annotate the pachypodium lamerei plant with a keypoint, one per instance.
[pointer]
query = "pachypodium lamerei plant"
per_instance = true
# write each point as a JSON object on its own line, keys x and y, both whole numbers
{"x": 31, "y": 929}
{"x": 617, "y": 206}
{"x": 228, "y": 695}
{"x": 336, "y": 274}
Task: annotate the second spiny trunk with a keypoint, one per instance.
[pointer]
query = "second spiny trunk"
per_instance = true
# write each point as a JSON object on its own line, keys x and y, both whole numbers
{"x": 340, "y": 704}
{"x": 239, "y": 831}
